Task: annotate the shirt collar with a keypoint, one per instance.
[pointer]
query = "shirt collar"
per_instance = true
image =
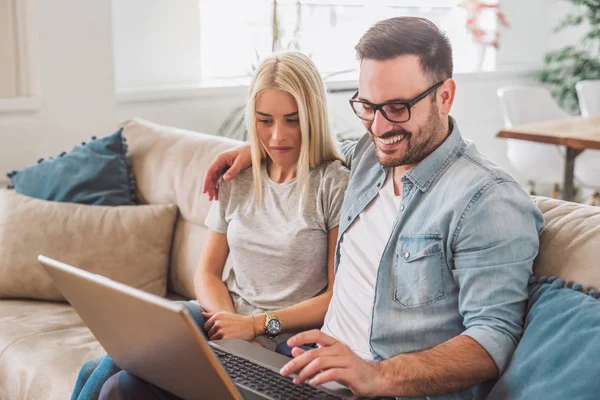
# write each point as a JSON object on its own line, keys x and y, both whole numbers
{"x": 425, "y": 172}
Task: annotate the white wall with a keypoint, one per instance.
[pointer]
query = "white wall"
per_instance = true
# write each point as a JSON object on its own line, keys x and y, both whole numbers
{"x": 157, "y": 41}
{"x": 78, "y": 98}
{"x": 531, "y": 33}
{"x": 570, "y": 36}
{"x": 524, "y": 42}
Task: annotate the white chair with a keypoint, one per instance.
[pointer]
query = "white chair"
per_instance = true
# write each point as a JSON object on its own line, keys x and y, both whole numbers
{"x": 588, "y": 93}
{"x": 522, "y": 104}
{"x": 587, "y": 165}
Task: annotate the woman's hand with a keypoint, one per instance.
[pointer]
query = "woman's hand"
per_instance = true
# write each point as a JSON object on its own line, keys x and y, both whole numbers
{"x": 226, "y": 325}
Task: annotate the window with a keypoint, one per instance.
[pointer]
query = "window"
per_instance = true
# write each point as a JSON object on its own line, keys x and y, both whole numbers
{"x": 19, "y": 77}
{"x": 235, "y": 34}
{"x": 9, "y": 78}
{"x": 163, "y": 45}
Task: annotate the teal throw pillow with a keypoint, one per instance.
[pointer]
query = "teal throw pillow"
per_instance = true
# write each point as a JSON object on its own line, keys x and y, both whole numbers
{"x": 559, "y": 354}
{"x": 95, "y": 173}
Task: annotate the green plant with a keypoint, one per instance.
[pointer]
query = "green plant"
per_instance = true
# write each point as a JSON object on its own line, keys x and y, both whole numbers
{"x": 565, "y": 67}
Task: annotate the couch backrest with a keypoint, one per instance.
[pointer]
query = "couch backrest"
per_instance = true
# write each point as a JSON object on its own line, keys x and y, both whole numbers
{"x": 169, "y": 165}
{"x": 570, "y": 243}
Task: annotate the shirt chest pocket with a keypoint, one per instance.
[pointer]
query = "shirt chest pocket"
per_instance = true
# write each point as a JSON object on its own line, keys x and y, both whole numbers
{"x": 419, "y": 270}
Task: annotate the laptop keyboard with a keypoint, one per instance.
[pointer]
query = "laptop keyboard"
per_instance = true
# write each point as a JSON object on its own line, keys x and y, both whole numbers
{"x": 266, "y": 381}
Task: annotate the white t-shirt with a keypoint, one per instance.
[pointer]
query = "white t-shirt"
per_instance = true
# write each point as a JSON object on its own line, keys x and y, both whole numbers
{"x": 349, "y": 315}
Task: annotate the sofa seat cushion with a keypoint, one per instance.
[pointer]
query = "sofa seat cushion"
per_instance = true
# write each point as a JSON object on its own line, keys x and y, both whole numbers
{"x": 42, "y": 347}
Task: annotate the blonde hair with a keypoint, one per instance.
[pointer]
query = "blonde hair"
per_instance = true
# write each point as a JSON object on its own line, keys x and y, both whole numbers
{"x": 294, "y": 73}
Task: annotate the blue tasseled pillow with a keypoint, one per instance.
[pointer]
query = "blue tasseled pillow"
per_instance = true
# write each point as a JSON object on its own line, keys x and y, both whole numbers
{"x": 559, "y": 354}
{"x": 95, "y": 173}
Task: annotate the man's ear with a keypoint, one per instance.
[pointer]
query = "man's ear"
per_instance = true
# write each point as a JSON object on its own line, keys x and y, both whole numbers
{"x": 446, "y": 94}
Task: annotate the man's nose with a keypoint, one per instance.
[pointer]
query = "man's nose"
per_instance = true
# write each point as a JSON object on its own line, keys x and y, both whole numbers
{"x": 380, "y": 125}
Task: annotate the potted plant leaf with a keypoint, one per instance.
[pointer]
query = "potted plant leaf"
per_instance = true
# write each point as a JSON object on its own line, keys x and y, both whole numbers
{"x": 565, "y": 67}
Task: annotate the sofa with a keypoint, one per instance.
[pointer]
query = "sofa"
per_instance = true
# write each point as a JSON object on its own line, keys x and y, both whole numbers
{"x": 44, "y": 343}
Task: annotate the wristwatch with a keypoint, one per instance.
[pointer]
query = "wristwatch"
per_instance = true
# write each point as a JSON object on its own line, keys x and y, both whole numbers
{"x": 272, "y": 325}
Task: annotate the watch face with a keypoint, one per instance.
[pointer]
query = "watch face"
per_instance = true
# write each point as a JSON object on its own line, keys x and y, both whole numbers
{"x": 274, "y": 327}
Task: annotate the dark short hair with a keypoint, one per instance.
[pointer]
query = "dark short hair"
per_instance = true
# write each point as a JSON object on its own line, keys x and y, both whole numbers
{"x": 398, "y": 36}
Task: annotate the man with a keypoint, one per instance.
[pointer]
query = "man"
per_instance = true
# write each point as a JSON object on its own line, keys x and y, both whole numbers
{"x": 436, "y": 243}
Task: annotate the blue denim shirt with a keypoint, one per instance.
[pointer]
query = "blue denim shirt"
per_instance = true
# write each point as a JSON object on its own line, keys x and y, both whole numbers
{"x": 459, "y": 256}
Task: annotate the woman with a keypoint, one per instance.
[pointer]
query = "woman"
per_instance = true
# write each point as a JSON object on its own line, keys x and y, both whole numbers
{"x": 277, "y": 221}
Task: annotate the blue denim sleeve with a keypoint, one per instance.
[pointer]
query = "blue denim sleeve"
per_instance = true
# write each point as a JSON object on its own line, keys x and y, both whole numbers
{"x": 348, "y": 147}
{"x": 494, "y": 246}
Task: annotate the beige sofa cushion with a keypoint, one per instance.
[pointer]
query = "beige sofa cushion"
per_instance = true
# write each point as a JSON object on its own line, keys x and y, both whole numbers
{"x": 42, "y": 347}
{"x": 130, "y": 244}
{"x": 169, "y": 165}
{"x": 570, "y": 243}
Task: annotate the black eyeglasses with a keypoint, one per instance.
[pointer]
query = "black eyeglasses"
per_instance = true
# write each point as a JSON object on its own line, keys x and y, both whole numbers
{"x": 393, "y": 111}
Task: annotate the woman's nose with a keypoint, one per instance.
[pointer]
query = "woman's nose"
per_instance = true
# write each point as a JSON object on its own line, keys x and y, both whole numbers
{"x": 278, "y": 132}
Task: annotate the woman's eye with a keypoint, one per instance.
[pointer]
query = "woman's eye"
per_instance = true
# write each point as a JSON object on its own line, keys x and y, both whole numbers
{"x": 264, "y": 121}
{"x": 293, "y": 121}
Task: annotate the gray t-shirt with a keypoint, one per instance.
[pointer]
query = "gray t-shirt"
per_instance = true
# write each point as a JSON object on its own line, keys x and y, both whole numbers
{"x": 278, "y": 250}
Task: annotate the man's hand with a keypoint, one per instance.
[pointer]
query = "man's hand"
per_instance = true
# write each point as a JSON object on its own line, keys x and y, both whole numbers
{"x": 227, "y": 164}
{"x": 226, "y": 325}
{"x": 333, "y": 361}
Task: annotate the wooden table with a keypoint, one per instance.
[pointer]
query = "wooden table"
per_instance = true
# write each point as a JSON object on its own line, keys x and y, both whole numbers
{"x": 575, "y": 133}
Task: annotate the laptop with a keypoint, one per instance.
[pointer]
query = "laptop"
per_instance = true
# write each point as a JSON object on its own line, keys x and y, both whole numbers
{"x": 159, "y": 341}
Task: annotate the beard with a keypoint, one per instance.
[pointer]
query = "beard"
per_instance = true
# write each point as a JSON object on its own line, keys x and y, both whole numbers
{"x": 418, "y": 144}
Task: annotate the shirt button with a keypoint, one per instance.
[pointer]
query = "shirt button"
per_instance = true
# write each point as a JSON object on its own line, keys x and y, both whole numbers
{"x": 406, "y": 255}
{"x": 348, "y": 218}
{"x": 378, "y": 184}
{"x": 402, "y": 207}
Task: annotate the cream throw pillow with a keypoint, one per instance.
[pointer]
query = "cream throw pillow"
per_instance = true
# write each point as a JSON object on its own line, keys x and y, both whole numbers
{"x": 130, "y": 244}
{"x": 570, "y": 242}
